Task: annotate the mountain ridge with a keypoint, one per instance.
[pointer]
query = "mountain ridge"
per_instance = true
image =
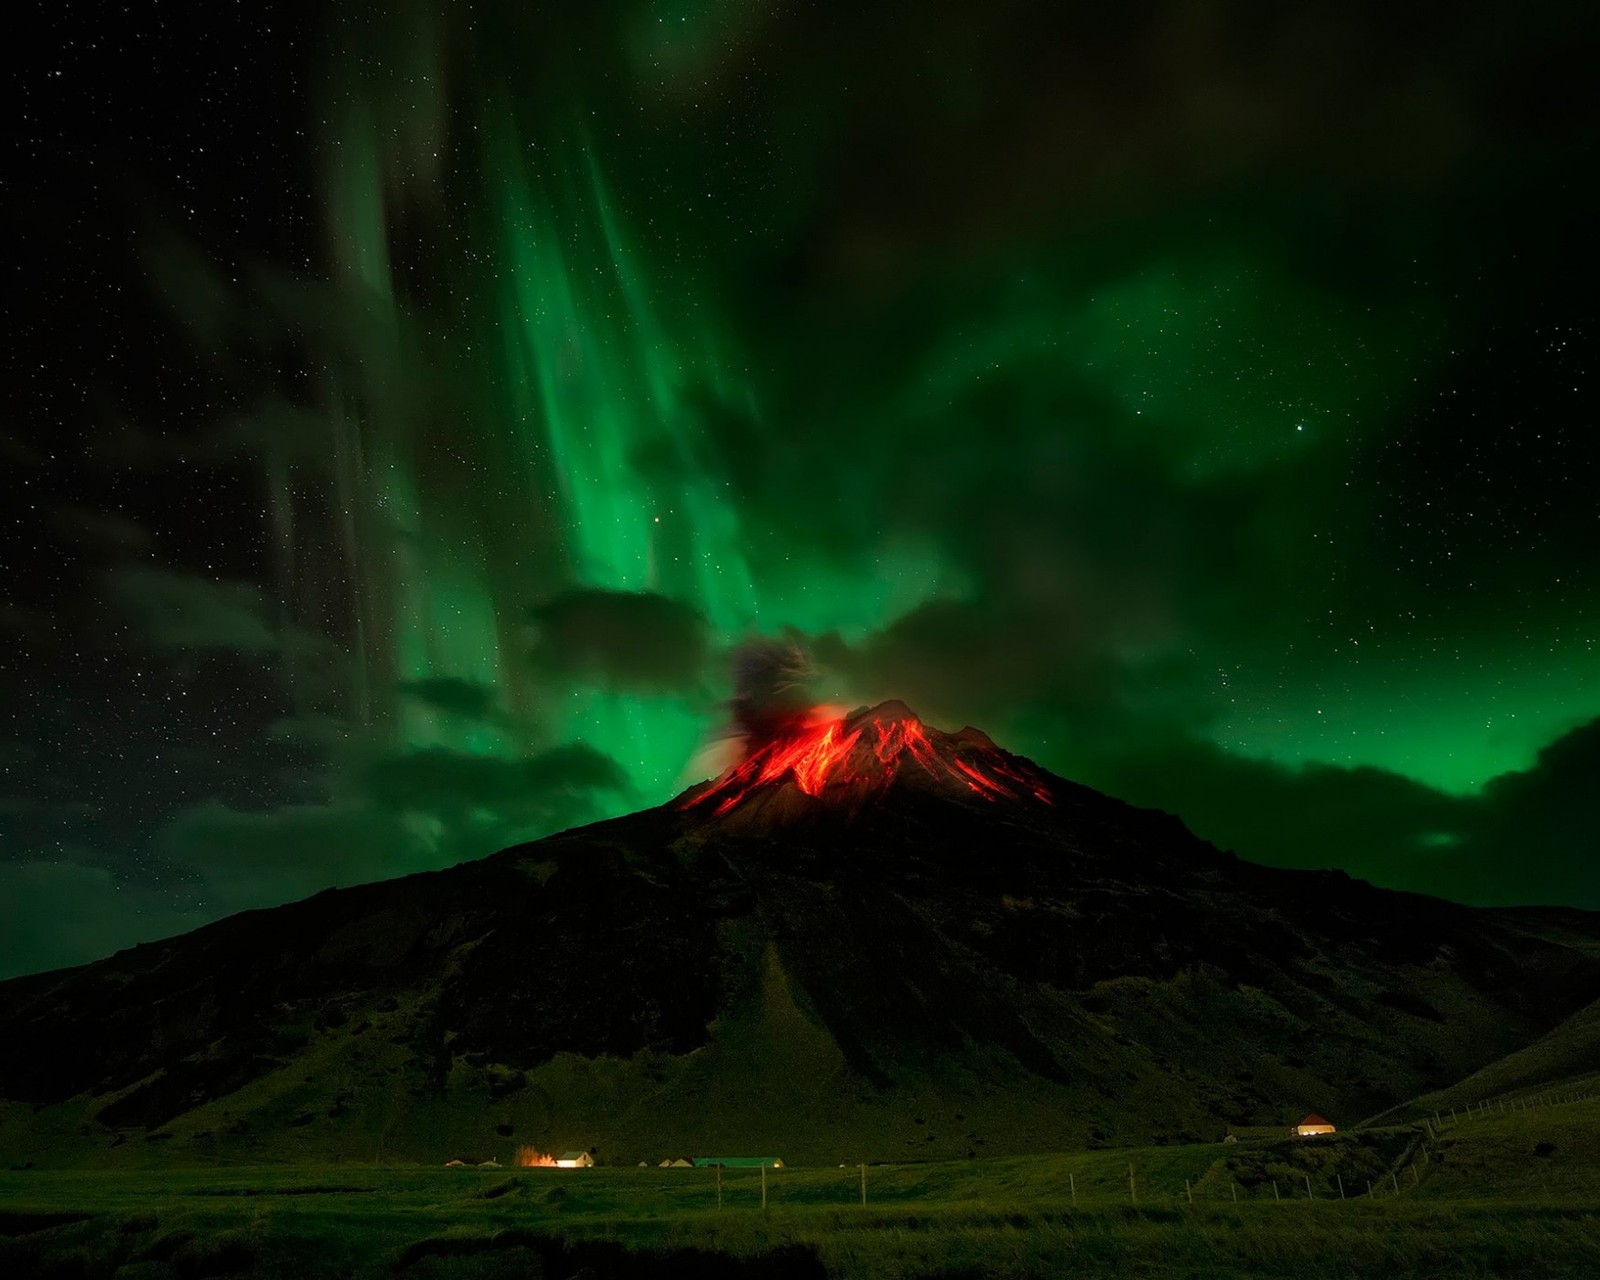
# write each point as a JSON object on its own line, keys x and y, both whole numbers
{"x": 850, "y": 959}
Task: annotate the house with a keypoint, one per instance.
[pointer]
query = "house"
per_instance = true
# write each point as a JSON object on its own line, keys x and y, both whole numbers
{"x": 1312, "y": 1126}
{"x": 575, "y": 1160}
{"x": 738, "y": 1162}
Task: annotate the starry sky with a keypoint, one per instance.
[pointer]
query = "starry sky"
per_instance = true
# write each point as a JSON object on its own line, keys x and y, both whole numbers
{"x": 411, "y": 407}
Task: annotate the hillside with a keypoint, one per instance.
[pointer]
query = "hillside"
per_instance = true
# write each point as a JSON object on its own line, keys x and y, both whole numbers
{"x": 872, "y": 940}
{"x": 1564, "y": 1061}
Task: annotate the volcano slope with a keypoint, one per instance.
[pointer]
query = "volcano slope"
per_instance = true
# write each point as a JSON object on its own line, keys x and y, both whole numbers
{"x": 872, "y": 940}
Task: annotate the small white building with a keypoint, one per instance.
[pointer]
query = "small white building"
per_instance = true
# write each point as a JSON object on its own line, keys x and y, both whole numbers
{"x": 575, "y": 1160}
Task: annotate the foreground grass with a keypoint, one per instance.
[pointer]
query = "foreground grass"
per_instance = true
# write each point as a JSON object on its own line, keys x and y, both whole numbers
{"x": 1509, "y": 1196}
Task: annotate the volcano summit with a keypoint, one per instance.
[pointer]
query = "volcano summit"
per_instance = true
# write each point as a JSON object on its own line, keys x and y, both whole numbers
{"x": 855, "y": 759}
{"x": 870, "y": 940}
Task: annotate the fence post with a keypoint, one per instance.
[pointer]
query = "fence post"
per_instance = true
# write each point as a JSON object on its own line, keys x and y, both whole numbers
{"x": 1188, "y": 1190}
{"x": 1275, "y": 1194}
{"x": 1073, "y": 1183}
{"x": 1234, "y": 1187}
{"x": 863, "y": 1184}
{"x": 1340, "y": 1181}
{"x": 1132, "y": 1196}
{"x": 1309, "y": 1196}
{"x": 1394, "y": 1180}
{"x": 1369, "y": 1188}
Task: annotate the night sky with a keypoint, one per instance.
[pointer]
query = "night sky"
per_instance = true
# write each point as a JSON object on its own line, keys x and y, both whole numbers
{"x": 408, "y": 408}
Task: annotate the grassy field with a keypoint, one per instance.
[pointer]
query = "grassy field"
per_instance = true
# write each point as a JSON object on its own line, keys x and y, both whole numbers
{"x": 1513, "y": 1193}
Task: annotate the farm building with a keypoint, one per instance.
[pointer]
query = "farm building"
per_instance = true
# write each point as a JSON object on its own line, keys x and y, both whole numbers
{"x": 1312, "y": 1126}
{"x": 575, "y": 1160}
{"x": 738, "y": 1162}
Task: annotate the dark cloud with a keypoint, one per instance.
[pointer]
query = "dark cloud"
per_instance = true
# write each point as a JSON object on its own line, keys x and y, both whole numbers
{"x": 562, "y": 780}
{"x": 1539, "y": 837}
{"x": 474, "y": 805}
{"x": 1529, "y": 837}
{"x": 185, "y": 611}
{"x": 1373, "y": 823}
{"x": 313, "y": 730}
{"x": 221, "y": 859}
{"x": 458, "y": 697}
{"x": 627, "y": 639}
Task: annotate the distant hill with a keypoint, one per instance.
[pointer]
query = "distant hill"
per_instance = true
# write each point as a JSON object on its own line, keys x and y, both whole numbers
{"x": 872, "y": 940}
{"x": 1564, "y": 1061}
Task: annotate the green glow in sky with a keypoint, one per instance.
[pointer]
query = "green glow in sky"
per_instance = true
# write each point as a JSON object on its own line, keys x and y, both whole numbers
{"x": 1107, "y": 468}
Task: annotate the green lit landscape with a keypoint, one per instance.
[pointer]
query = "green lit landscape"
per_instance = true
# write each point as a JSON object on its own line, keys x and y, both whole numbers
{"x": 1511, "y": 1192}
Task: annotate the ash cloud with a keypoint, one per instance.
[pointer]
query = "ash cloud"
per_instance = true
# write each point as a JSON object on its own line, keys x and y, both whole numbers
{"x": 773, "y": 687}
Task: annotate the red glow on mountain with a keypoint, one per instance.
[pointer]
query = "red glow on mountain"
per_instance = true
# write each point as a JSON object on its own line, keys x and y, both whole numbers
{"x": 868, "y": 750}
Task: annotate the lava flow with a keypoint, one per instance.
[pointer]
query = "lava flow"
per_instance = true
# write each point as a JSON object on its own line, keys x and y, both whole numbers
{"x": 869, "y": 750}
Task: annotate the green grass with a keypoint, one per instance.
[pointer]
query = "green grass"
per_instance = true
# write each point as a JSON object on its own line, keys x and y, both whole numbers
{"x": 1512, "y": 1194}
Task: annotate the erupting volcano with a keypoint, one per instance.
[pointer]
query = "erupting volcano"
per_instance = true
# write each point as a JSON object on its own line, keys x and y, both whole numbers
{"x": 868, "y": 935}
{"x": 866, "y": 752}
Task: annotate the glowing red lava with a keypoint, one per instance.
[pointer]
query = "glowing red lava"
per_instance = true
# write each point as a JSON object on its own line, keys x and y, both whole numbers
{"x": 839, "y": 751}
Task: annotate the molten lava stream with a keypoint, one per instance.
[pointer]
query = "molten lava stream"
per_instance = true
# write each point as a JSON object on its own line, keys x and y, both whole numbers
{"x": 813, "y": 755}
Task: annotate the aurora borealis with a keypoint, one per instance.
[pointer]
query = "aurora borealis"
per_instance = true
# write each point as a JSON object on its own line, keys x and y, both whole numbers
{"x": 410, "y": 409}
